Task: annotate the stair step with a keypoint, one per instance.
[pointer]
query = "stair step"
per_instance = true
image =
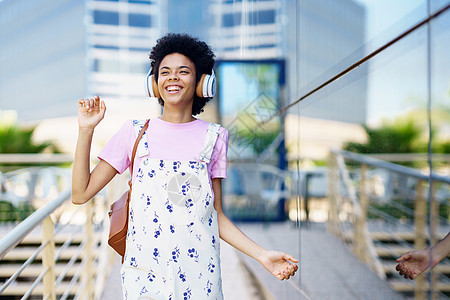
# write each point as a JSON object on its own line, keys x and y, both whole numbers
{"x": 34, "y": 270}
{"x": 23, "y": 253}
{"x": 389, "y": 267}
{"x": 392, "y": 250}
{"x": 59, "y": 238}
{"x": 20, "y": 288}
{"x": 388, "y": 236}
{"x": 408, "y": 286}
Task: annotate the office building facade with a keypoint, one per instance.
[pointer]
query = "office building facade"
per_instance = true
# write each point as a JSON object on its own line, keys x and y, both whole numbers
{"x": 270, "y": 29}
{"x": 55, "y": 52}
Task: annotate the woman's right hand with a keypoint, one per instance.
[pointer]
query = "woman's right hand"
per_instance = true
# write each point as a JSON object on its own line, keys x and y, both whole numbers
{"x": 90, "y": 112}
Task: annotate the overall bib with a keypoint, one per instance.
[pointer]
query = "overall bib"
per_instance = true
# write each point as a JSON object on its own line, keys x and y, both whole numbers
{"x": 172, "y": 243}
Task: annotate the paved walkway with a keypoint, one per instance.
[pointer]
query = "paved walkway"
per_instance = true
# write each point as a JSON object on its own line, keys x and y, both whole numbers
{"x": 328, "y": 270}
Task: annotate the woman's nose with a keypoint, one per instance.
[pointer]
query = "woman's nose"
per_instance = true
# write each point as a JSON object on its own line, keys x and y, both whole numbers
{"x": 173, "y": 76}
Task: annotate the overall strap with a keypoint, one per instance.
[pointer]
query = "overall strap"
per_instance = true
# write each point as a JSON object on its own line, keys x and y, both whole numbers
{"x": 137, "y": 143}
{"x": 210, "y": 142}
{"x": 142, "y": 149}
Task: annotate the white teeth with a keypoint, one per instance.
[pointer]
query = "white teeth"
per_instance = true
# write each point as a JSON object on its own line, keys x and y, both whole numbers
{"x": 173, "y": 88}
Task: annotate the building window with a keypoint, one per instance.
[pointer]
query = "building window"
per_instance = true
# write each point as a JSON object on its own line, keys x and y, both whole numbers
{"x": 106, "y": 17}
{"x": 106, "y": 66}
{"x": 262, "y": 17}
{"x": 139, "y": 20}
{"x": 140, "y": 1}
{"x": 230, "y": 20}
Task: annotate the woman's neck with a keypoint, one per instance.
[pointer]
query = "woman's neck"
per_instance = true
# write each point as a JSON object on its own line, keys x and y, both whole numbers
{"x": 177, "y": 116}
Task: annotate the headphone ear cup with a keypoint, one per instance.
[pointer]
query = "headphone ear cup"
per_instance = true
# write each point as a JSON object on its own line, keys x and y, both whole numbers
{"x": 199, "y": 88}
{"x": 206, "y": 87}
{"x": 151, "y": 87}
{"x": 155, "y": 89}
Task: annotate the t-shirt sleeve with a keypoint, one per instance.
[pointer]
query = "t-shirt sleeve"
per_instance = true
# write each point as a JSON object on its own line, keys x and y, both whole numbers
{"x": 219, "y": 155}
{"x": 117, "y": 151}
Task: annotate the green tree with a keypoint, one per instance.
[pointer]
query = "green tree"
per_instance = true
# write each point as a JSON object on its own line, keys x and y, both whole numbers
{"x": 14, "y": 139}
{"x": 398, "y": 137}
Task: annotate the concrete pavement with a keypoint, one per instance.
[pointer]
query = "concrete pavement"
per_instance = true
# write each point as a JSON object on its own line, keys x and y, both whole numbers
{"x": 328, "y": 270}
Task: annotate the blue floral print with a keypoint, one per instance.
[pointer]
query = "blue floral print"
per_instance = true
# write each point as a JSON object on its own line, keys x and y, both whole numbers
{"x": 211, "y": 265}
{"x": 143, "y": 291}
{"x": 213, "y": 242}
{"x": 175, "y": 255}
{"x": 181, "y": 275}
{"x": 208, "y": 288}
{"x": 156, "y": 255}
{"x": 140, "y": 174}
{"x": 176, "y": 166}
{"x": 192, "y": 253}
{"x": 169, "y": 206}
{"x": 158, "y": 232}
{"x": 187, "y": 294}
{"x": 133, "y": 262}
{"x": 151, "y": 276}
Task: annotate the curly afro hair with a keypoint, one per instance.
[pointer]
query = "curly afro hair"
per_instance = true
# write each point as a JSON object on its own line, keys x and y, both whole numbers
{"x": 194, "y": 49}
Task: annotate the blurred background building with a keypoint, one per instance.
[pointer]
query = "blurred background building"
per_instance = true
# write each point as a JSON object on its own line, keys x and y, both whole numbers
{"x": 62, "y": 51}
{"x": 65, "y": 50}
{"x": 261, "y": 30}
{"x": 101, "y": 47}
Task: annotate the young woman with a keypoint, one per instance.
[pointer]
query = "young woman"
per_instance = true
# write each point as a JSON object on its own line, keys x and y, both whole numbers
{"x": 176, "y": 216}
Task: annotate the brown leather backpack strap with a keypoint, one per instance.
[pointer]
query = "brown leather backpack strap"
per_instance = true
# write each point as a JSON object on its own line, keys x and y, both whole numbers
{"x": 136, "y": 143}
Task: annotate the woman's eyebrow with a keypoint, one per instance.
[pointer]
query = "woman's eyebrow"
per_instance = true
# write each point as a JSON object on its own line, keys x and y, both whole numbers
{"x": 180, "y": 67}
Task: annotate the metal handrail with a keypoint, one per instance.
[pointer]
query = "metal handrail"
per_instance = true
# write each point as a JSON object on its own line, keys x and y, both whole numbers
{"x": 22, "y": 267}
{"x": 357, "y": 234}
{"x": 71, "y": 262}
{"x": 365, "y": 159}
{"x": 16, "y": 235}
{"x": 43, "y": 217}
{"x": 35, "y": 283}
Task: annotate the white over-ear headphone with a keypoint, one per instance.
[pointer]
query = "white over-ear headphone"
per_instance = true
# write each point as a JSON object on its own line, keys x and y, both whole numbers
{"x": 206, "y": 87}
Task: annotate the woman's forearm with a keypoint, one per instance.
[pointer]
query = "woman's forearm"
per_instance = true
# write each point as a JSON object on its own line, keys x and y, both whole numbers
{"x": 441, "y": 249}
{"x": 231, "y": 234}
{"x": 81, "y": 165}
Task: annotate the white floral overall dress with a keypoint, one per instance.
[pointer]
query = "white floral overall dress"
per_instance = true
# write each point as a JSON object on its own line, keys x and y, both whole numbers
{"x": 172, "y": 247}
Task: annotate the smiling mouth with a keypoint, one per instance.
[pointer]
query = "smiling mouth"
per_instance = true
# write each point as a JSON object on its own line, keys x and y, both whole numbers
{"x": 173, "y": 89}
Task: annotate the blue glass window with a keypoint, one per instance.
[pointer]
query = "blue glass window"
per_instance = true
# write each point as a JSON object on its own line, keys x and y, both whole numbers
{"x": 106, "y": 47}
{"x": 230, "y": 20}
{"x": 106, "y": 17}
{"x": 262, "y": 17}
{"x": 140, "y": 20}
{"x": 140, "y": 1}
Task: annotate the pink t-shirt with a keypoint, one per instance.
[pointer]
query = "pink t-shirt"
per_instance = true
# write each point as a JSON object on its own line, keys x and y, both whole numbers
{"x": 167, "y": 141}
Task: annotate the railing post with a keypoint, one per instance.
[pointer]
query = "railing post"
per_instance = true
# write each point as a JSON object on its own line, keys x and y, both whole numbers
{"x": 48, "y": 258}
{"x": 434, "y": 232}
{"x": 88, "y": 257}
{"x": 333, "y": 192}
{"x": 420, "y": 241}
{"x": 360, "y": 248}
